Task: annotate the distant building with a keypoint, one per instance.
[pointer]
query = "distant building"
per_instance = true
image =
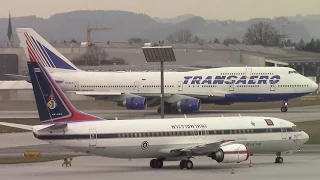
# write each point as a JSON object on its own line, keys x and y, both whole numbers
{"x": 187, "y": 55}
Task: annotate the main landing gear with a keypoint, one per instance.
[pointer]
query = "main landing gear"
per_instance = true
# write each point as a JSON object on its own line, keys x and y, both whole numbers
{"x": 279, "y": 159}
{"x": 168, "y": 110}
{"x": 186, "y": 164}
{"x": 158, "y": 164}
{"x": 284, "y": 108}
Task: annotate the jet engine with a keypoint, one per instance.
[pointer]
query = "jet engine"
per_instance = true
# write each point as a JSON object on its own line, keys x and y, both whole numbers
{"x": 233, "y": 153}
{"x": 139, "y": 103}
{"x": 188, "y": 105}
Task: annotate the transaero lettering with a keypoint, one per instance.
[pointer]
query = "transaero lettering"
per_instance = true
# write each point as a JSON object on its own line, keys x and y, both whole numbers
{"x": 191, "y": 126}
{"x": 231, "y": 79}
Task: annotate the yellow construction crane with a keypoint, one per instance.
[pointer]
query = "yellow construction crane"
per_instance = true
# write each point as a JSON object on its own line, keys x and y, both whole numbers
{"x": 89, "y": 29}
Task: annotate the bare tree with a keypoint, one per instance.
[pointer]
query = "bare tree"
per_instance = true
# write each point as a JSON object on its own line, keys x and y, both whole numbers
{"x": 198, "y": 40}
{"x": 92, "y": 57}
{"x": 138, "y": 40}
{"x": 262, "y": 33}
{"x": 171, "y": 39}
{"x": 180, "y": 36}
{"x": 231, "y": 41}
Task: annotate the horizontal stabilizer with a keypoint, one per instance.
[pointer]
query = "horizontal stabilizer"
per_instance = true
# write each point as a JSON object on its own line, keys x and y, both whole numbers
{"x": 27, "y": 78}
{"x": 58, "y": 126}
{"x": 19, "y": 77}
{"x": 19, "y": 126}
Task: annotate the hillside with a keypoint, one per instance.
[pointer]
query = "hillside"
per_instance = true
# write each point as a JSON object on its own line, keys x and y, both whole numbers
{"x": 124, "y": 24}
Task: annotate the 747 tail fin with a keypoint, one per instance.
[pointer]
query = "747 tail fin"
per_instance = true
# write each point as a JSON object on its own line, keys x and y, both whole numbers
{"x": 38, "y": 49}
{"x": 53, "y": 106}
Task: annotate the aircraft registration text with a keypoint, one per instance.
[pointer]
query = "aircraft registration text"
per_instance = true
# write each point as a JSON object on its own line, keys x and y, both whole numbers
{"x": 191, "y": 126}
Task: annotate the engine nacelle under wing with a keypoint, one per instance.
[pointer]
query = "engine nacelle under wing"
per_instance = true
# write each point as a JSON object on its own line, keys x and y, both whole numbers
{"x": 233, "y": 153}
{"x": 139, "y": 103}
{"x": 189, "y": 105}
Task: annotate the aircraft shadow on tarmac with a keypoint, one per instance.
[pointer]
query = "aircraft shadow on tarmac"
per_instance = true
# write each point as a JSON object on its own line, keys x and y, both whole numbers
{"x": 103, "y": 169}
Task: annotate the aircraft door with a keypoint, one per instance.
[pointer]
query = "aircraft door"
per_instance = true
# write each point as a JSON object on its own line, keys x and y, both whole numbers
{"x": 200, "y": 133}
{"x": 76, "y": 86}
{"x": 283, "y": 130}
{"x": 196, "y": 133}
{"x": 137, "y": 85}
{"x": 272, "y": 86}
{"x": 180, "y": 86}
{"x": 93, "y": 137}
{"x": 231, "y": 87}
{"x": 248, "y": 72}
{"x": 203, "y": 133}
{"x": 295, "y": 139}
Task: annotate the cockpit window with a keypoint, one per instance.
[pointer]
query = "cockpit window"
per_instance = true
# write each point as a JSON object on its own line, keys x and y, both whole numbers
{"x": 295, "y": 128}
{"x": 293, "y": 72}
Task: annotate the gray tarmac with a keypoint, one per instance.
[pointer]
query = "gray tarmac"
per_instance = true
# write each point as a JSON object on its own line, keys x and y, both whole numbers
{"x": 294, "y": 114}
{"x": 304, "y": 167}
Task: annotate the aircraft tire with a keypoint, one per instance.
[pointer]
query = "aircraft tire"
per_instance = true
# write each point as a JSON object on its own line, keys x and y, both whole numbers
{"x": 158, "y": 163}
{"x": 189, "y": 164}
{"x": 152, "y": 163}
{"x": 284, "y": 109}
{"x": 182, "y": 164}
{"x": 279, "y": 160}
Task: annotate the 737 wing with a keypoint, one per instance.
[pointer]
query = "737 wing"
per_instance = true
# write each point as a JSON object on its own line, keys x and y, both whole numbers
{"x": 198, "y": 148}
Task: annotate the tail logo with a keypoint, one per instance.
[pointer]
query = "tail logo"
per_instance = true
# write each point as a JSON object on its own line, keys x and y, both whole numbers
{"x": 51, "y": 103}
{"x": 43, "y": 55}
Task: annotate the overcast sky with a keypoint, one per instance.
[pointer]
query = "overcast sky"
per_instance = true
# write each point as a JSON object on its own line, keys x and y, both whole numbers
{"x": 209, "y": 9}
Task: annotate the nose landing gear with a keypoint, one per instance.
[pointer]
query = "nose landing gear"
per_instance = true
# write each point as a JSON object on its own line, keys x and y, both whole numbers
{"x": 284, "y": 108}
{"x": 279, "y": 159}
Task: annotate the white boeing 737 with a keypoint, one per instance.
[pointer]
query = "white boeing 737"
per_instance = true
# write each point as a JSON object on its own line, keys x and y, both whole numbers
{"x": 184, "y": 91}
{"x": 224, "y": 139}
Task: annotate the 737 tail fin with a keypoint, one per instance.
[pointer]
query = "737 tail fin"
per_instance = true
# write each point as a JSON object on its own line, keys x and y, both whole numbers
{"x": 38, "y": 49}
{"x": 53, "y": 106}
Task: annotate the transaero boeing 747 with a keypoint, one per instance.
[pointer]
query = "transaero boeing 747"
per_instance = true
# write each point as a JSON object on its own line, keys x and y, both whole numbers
{"x": 223, "y": 139}
{"x": 184, "y": 91}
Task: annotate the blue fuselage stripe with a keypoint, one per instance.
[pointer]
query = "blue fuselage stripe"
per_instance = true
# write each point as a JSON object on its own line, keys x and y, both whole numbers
{"x": 242, "y": 97}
